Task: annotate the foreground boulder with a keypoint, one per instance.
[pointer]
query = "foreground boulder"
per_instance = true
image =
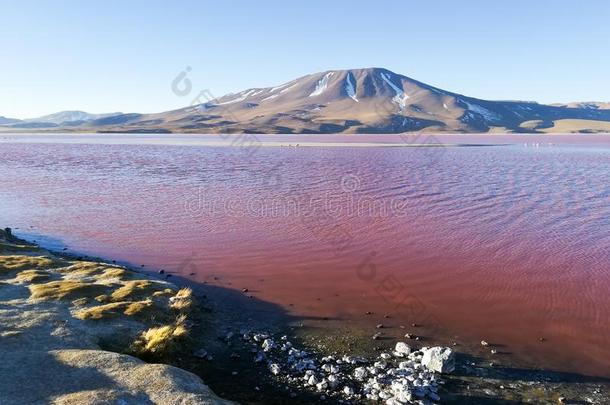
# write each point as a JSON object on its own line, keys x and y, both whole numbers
{"x": 86, "y": 377}
{"x": 439, "y": 359}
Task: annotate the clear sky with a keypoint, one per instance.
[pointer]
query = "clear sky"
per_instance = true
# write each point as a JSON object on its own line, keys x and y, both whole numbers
{"x": 106, "y": 56}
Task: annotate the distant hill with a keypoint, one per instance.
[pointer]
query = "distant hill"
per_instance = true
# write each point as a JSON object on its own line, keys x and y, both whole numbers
{"x": 593, "y": 105}
{"x": 372, "y": 100}
{"x": 8, "y": 121}
{"x": 67, "y": 117}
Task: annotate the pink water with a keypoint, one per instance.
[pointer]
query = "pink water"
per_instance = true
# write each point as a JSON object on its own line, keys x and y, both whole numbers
{"x": 504, "y": 243}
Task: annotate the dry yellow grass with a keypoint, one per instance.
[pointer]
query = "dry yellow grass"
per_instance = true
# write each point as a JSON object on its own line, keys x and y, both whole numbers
{"x": 66, "y": 290}
{"x": 96, "y": 291}
{"x": 32, "y": 276}
{"x": 166, "y": 292}
{"x": 137, "y": 289}
{"x": 102, "y": 298}
{"x": 95, "y": 270}
{"x": 114, "y": 309}
{"x": 161, "y": 340}
{"x": 17, "y": 263}
{"x": 575, "y": 125}
{"x": 183, "y": 300}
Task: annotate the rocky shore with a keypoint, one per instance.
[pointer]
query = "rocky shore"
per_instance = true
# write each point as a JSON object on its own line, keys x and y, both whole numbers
{"x": 82, "y": 331}
{"x": 401, "y": 377}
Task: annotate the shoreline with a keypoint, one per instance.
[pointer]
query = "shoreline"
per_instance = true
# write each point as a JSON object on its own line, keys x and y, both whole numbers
{"x": 236, "y": 143}
{"x": 249, "y": 143}
{"x": 89, "y": 330}
{"x": 231, "y": 358}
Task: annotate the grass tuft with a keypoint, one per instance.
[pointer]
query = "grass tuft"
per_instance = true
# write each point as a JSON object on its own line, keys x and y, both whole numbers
{"x": 32, "y": 276}
{"x": 161, "y": 340}
{"x": 113, "y": 309}
{"x": 66, "y": 289}
{"x": 183, "y": 299}
{"x": 97, "y": 271}
{"x": 17, "y": 263}
{"x": 136, "y": 289}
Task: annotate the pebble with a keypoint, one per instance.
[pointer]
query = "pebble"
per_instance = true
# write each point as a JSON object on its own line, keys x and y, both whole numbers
{"x": 402, "y": 349}
{"x": 322, "y": 385}
{"x": 268, "y": 345}
{"x": 274, "y": 368}
{"x": 312, "y": 380}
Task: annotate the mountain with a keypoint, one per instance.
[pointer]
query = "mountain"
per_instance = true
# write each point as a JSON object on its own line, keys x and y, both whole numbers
{"x": 594, "y": 105}
{"x": 8, "y": 121}
{"x": 69, "y": 117}
{"x": 62, "y": 119}
{"x": 372, "y": 100}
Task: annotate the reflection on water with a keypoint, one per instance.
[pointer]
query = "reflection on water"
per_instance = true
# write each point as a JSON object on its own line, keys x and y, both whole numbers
{"x": 507, "y": 243}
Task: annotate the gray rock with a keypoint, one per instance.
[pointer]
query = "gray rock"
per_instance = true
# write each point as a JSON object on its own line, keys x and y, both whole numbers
{"x": 268, "y": 345}
{"x": 439, "y": 359}
{"x": 402, "y": 349}
{"x": 274, "y": 368}
{"x": 360, "y": 373}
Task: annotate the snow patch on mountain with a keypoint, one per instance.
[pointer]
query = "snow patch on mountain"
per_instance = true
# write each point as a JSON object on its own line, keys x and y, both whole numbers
{"x": 487, "y": 114}
{"x": 349, "y": 87}
{"x": 242, "y": 97}
{"x": 322, "y": 84}
{"x": 289, "y": 88}
{"x": 401, "y": 97}
{"x": 270, "y": 97}
{"x": 274, "y": 89}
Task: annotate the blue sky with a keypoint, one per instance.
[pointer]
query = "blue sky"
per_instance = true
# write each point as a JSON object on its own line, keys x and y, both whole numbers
{"x": 123, "y": 55}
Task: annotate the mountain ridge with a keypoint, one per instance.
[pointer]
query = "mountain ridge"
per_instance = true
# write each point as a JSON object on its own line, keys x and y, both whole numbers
{"x": 368, "y": 100}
